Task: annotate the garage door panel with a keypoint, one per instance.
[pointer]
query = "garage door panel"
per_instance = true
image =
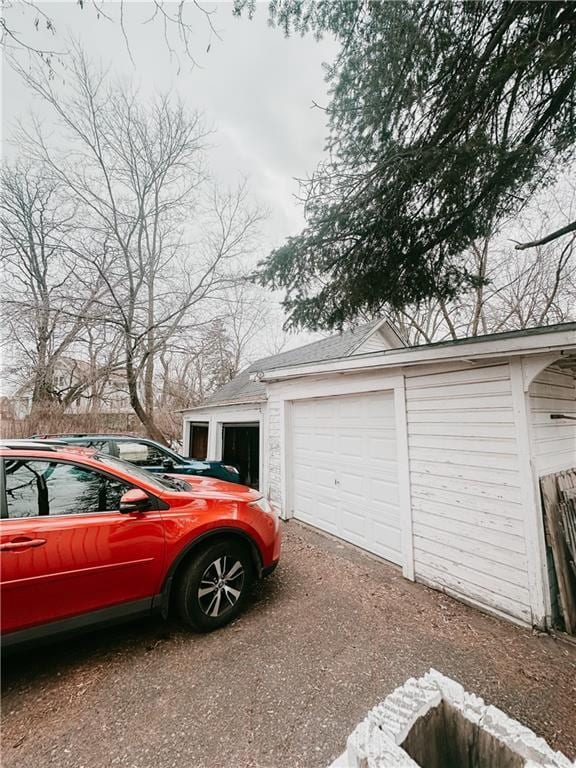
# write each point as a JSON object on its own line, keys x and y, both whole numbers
{"x": 353, "y": 519}
{"x": 384, "y": 472}
{"x": 387, "y": 536}
{"x": 382, "y": 447}
{"x": 387, "y": 539}
{"x": 324, "y": 512}
{"x": 307, "y": 491}
{"x": 308, "y": 503}
{"x": 323, "y": 515}
{"x": 324, "y": 478}
{"x": 307, "y": 409}
{"x": 303, "y": 472}
{"x": 350, "y": 484}
{"x": 323, "y": 443}
{"x": 350, "y": 445}
{"x": 354, "y": 538}
{"x": 385, "y": 492}
{"x": 390, "y": 519}
{"x": 353, "y": 506}
{"x": 387, "y": 553}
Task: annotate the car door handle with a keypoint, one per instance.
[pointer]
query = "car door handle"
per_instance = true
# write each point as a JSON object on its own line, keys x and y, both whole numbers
{"x": 22, "y": 544}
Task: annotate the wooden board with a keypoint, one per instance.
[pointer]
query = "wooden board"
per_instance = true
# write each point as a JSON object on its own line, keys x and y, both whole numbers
{"x": 549, "y": 486}
{"x": 567, "y": 485}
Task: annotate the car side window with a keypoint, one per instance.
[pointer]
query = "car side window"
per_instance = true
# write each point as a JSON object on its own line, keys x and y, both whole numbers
{"x": 38, "y": 488}
{"x": 26, "y": 492}
{"x": 140, "y": 453}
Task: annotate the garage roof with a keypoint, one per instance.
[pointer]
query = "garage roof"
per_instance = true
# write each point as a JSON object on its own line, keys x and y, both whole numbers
{"x": 246, "y": 386}
{"x": 560, "y": 338}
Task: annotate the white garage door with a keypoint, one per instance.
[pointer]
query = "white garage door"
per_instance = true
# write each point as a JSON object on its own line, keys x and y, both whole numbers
{"x": 345, "y": 472}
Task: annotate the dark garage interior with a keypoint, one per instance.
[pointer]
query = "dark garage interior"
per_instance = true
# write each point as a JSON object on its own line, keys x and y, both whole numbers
{"x": 241, "y": 447}
{"x": 198, "y": 440}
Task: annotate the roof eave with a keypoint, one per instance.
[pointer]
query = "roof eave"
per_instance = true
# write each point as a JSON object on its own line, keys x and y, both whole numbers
{"x": 556, "y": 340}
{"x": 224, "y": 403}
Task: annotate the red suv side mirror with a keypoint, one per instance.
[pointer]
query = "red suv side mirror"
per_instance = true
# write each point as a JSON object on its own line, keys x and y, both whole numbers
{"x": 134, "y": 500}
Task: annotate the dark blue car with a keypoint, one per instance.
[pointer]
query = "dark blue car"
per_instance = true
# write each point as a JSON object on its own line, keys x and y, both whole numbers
{"x": 149, "y": 454}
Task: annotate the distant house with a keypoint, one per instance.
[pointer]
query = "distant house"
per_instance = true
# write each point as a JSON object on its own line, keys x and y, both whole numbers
{"x": 96, "y": 394}
{"x": 426, "y": 456}
{"x": 7, "y": 408}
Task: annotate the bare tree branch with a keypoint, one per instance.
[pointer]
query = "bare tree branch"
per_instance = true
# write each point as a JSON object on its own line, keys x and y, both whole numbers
{"x": 548, "y": 238}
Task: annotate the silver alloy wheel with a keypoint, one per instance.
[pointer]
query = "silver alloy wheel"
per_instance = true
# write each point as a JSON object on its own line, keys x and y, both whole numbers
{"x": 221, "y": 585}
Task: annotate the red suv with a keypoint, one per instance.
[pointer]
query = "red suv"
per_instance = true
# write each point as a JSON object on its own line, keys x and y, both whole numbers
{"x": 87, "y": 539}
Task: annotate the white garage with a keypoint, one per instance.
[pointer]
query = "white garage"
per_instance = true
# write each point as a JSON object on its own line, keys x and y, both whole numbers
{"x": 345, "y": 470}
{"x": 428, "y": 457}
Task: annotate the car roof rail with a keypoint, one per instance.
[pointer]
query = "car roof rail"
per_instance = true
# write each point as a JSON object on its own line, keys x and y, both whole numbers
{"x": 103, "y": 435}
{"x": 30, "y": 445}
{"x": 59, "y": 435}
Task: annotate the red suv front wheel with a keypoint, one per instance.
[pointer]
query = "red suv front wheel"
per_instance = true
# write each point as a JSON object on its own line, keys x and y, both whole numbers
{"x": 215, "y": 585}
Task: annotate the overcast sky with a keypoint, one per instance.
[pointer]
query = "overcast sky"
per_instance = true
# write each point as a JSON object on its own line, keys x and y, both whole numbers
{"x": 255, "y": 87}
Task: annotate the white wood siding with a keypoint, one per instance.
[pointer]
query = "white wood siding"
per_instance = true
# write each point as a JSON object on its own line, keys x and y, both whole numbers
{"x": 274, "y": 452}
{"x": 468, "y": 526}
{"x": 381, "y": 339}
{"x": 375, "y": 343}
{"x": 553, "y": 442}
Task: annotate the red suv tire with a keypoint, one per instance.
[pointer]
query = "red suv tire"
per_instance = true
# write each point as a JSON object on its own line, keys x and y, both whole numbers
{"x": 215, "y": 585}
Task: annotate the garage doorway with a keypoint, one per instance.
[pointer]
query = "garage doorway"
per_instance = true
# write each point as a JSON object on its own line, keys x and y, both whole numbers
{"x": 241, "y": 447}
{"x": 198, "y": 440}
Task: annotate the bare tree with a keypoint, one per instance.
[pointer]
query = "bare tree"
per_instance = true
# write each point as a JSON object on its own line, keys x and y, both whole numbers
{"x": 513, "y": 291}
{"x": 247, "y": 313}
{"x": 199, "y": 363}
{"x": 173, "y": 240}
{"x": 421, "y": 324}
{"x": 49, "y": 291}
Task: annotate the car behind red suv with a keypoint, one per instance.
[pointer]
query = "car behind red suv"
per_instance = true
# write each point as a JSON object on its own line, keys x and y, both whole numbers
{"x": 87, "y": 539}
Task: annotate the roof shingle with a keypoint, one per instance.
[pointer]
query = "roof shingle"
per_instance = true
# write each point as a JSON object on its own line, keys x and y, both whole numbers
{"x": 243, "y": 389}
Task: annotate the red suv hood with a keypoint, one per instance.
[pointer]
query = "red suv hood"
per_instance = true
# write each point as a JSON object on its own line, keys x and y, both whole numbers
{"x": 213, "y": 488}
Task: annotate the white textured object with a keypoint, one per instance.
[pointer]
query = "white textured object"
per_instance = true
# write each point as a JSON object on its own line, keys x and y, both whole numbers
{"x": 376, "y": 741}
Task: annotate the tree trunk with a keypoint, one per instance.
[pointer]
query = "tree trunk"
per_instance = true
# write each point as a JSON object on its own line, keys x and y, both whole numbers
{"x": 149, "y": 368}
{"x": 145, "y": 418}
{"x": 43, "y": 388}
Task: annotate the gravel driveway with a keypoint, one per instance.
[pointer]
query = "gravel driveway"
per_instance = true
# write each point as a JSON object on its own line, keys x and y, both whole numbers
{"x": 329, "y": 635}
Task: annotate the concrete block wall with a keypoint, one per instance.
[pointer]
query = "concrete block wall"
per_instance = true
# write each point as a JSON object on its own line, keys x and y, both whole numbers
{"x": 377, "y": 740}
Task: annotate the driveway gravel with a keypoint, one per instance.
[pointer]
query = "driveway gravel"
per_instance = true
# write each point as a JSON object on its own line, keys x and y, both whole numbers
{"x": 329, "y": 634}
